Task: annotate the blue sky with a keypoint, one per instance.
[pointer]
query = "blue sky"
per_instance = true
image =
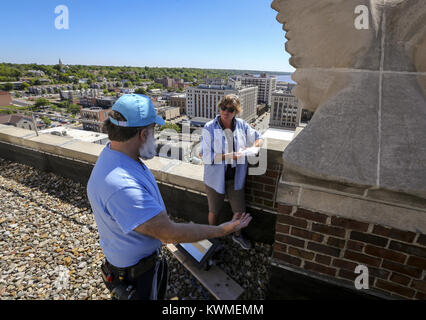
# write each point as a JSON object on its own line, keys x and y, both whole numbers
{"x": 226, "y": 34}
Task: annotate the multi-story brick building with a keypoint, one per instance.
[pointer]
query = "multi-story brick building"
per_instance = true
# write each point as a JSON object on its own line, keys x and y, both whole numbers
{"x": 88, "y": 102}
{"x": 93, "y": 118}
{"x": 172, "y": 83}
{"x": 5, "y": 98}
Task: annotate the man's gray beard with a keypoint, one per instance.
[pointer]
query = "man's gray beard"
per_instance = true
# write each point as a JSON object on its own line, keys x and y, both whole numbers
{"x": 149, "y": 148}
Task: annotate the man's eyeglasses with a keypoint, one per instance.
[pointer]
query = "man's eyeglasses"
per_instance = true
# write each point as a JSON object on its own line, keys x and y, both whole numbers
{"x": 231, "y": 109}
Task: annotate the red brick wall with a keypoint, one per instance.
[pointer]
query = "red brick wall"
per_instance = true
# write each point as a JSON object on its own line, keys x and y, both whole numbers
{"x": 261, "y": 190}
{"x": 334, "y": 246}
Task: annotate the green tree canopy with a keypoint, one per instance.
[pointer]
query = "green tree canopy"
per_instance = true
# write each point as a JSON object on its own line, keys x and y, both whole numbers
{"x": 170, "y": 125}
{"x": 46, "y": 120}
{"x": 7, "y": 86}
{"x": 140, "y": 91}
{"x": 155, "y": 86}
{"x": 73, "y": 109}
{"x": 41, "y": 102}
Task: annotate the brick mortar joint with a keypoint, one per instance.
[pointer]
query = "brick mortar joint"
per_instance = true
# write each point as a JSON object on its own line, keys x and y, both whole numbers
{"x": 342, "y": 256}
{"x": 336, "y": 279}
{"x": 416, "y": 238}
{"x": 370, "y": 227}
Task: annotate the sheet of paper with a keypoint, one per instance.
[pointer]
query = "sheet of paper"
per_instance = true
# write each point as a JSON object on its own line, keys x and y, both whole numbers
{"x": 250, "y": 151}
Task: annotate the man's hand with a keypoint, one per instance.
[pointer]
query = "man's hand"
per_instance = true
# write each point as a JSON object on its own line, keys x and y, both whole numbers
{"x": 238, "y": 222}
{"x": 237, "y": 215}
{"x": 167, "y": 231}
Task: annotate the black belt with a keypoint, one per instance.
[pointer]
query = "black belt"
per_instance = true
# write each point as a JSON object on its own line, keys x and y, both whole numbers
{"x": 133, "y": 272}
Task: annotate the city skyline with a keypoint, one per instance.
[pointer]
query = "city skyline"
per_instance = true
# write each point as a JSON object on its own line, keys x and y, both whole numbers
{"x": 236, "y": 35}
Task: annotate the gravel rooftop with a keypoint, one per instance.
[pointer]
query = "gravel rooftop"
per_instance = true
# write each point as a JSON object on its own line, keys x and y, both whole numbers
{"x": 49, "y": 245}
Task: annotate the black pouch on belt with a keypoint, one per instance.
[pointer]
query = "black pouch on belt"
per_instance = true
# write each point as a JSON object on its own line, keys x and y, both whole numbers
{"x": 106, "y": 273}
{"x": 135, "y": 271}
{"x": 142, "y": 266}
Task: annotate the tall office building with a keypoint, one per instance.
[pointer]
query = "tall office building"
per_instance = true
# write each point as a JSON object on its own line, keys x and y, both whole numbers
{"x": 266, "y": 85}
{"x": 202, "y": 101}
{"x": 285, "y": 111}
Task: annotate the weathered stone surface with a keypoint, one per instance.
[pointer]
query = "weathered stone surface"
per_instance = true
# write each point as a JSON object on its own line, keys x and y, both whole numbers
{"x": 396, "y": 198}
{"x": 405, "y": 41}
{"x": 364, "y": 210}
{"x": 403, "y": 135}
{"x": 304, "y": 180}
{"x": 288, "y": 194}
{"x": 326, "y": 37}
{"x": 341, "y": 141}
{"x": 367, "y": 88}
{"x": 186, "y": 175}
{"x": 84, "y": 151}
{"x": 46, "y": 142}
{"x": 275, "y": 148}
{"x": 177, "y": 172}
{"x": 14, "y": 135}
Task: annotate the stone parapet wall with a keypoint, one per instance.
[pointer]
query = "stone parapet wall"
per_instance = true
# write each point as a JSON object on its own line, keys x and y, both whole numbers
{"x": 181, "y": 183}
{"x": 261, "y": 188}
{"x": 57, "y": 145}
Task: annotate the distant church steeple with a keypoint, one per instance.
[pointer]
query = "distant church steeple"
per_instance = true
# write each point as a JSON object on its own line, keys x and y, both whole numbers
{"x": 60, "y": 62}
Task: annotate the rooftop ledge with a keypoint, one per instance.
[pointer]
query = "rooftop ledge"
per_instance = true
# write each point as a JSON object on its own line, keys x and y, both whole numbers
{"x": 385, "y": 207}
{"x": 166, "y": 170}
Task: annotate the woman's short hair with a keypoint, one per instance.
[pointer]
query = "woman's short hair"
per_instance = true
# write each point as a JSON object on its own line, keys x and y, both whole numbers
{"x": 116, "y": 133}
{"x": 230, "y": 99}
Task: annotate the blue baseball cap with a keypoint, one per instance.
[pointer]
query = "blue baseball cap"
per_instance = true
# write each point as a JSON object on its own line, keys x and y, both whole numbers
{"x": 137, "y": 109}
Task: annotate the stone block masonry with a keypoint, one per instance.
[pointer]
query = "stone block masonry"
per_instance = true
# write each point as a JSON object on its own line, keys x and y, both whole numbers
{"x": 352, "y": 179}
{"x": 333, "y": 246}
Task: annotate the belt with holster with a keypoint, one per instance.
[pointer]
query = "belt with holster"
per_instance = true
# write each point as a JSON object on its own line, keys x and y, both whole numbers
{"x": 136, "y": 270}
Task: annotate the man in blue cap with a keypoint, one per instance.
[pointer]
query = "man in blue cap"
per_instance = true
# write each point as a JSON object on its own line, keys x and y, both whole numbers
{"x": 129, "y": 210}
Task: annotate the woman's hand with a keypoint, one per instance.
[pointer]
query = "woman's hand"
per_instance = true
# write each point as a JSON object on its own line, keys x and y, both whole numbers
{"x": 232, "y": 155}
{"x": 236, "y": 155}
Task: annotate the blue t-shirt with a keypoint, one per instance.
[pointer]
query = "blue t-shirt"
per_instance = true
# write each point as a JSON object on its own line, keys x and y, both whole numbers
{"x": 123, "y": 194}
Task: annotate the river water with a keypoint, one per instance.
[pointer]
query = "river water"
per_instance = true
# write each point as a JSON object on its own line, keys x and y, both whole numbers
{"x": 281, "y": 77}
{"x": 286, "y": 78}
